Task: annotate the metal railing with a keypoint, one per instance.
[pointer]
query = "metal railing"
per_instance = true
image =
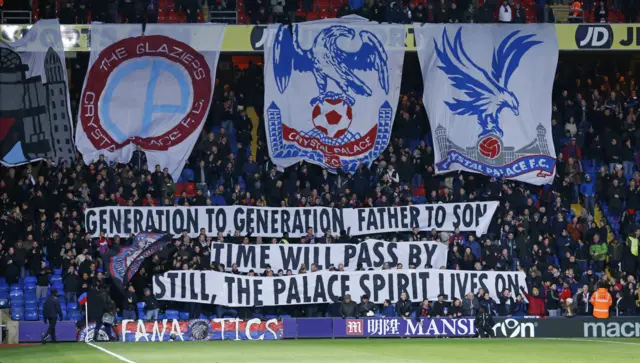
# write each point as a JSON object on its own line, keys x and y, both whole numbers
{"x": 223, "y": 16}
{"x": 15, "y": 17}
{"x": 561, "y": 17}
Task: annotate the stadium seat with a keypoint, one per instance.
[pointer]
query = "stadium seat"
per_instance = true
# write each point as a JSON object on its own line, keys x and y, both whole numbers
{"x": 172, "y": 314}
{"x": 184, "y": 315}
{"x": 56, "y": 279}
{"x": 56, "y": 272}
{"x": 72, "y": 305}
{"x": 17, "y": 315}
{"x": 16, "y": 294}
{"x": 140, "y": 307}
{"x": 30, "y": 289}
{"x": 74, "y": 315}
{"x": 188, "y": 174}
{"x": 30, "y": 300}
{"x": 16, "y": 287}
{"x": 4, "y": 303}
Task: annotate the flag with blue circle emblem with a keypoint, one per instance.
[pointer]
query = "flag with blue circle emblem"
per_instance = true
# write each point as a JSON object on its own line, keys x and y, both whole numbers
{"x": 487, "y": 92}
{"x": 331, "y": 91}
{"x": 150, "y": 89}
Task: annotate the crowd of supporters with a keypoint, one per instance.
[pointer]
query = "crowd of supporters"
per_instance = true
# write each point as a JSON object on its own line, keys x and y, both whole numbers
{"x": 264, "y": 12}
{"x": 569, "y": 236}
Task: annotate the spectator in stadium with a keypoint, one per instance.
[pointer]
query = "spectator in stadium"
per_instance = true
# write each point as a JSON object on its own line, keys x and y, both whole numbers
{"x": 348, "y": 308}
{"x": 553, "y": 301}
{"x": 440, "y": 307}
{"x": 388, "y": 309}
{"x": 403, "y": 306}
{"x": 601, "y": 13}
{"x": 424, "y": 310}
{"x": 470, "y": 305}
{"x": 506, "y": 304}
{"x": 536, "y": 302}
{"x": 366, "y": 307}
{"x": 129, "y": 306}
{"x": 601, "y": 301}
{"x": 505, "y": 13}
{"x": 151, "y": 306}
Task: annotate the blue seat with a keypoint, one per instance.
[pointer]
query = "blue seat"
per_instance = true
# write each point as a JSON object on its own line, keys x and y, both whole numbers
{"x": 184, "y": 315}
{"x": 140, "y": 307}
{"x": 16, "y": 294}
{"x": 214, "y": 316}
{"x": 3, "y": 280}
{"x": 57, "y": 272}
{"x": 188, "y": 174}
{"x": 4, "y": 303}
{"x": 56, "y": 279}
{"x": 72, "y": 306}
{"x": 30, "y": 288}
{"x": 30, "y": 280}
{"x": 4, "y": 287}
{"x": 4, "y": 294}
{"x": 74, "y": 315}
{"x": 30, "y": 300}
{"x": 17, "y": 315}
{"x": 172, "y": 314}
{"x": 16, "y": 287}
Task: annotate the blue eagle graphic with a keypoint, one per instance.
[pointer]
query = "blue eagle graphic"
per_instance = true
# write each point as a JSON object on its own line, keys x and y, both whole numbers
{"x": 486, "y": 95}
{"x": 328, "y": 62}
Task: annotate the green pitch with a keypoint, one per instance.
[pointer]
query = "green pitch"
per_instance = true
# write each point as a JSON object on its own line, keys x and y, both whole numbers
{"x": 350, "y": 351}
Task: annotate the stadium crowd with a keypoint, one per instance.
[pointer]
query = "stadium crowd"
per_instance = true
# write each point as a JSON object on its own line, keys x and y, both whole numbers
{"x": 263, "y": 12}
{"x": 571, "y": 236}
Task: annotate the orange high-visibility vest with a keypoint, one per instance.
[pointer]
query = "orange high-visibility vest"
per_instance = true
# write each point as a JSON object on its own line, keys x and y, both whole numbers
{"x": 601, "y": 301}
{"x": 576, "y": 6}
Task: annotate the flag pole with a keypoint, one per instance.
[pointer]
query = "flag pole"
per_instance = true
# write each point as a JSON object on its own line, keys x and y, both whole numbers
{"x": 86, "y": 319}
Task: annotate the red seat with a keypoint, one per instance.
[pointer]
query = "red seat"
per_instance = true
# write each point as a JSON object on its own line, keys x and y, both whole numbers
{"x": 191, "y": 189}
{"x": 180, "y": 187}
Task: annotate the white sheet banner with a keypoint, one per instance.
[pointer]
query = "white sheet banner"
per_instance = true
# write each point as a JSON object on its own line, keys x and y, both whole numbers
{"x": 488, "y": 92}
{"x": 153, "y": 90}
{"x": 367, "y": 254}
{"x": 210, "y": 287}
{"x": 331, "y": 90}
{"x": 35, "y": 116}
{"x": 273, "y": 222}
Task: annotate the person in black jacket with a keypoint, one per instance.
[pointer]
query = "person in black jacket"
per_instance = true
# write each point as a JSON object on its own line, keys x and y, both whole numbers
{"x": 403, "y": 306}
{"x": 366, "y": 307}
{"x": 506, "y": 303}
{"x": 51, "y": 311}
{"x": 130, "y": 303}
{"x": 439, "y": 307}
{"x": 484, "y": 323}
{"x": 150, "y": 305}
{"x": 349, "y": 308}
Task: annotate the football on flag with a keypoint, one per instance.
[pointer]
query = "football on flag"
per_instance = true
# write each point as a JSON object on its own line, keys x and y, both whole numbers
{"x": 332, "y": 117}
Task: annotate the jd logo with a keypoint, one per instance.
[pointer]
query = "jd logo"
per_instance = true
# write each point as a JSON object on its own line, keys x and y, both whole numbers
{"x": 594, "y": 37}
{"x": 632, "y": 37}
{"x": 258, "y": 37}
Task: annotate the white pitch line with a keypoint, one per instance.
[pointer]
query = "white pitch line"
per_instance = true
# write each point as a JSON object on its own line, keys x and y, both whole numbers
{"x": 592, "y": 340}
{"x": 111, "y": 353}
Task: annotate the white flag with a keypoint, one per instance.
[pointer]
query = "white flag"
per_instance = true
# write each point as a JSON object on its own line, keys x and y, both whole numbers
{"x": 35, "y": 117}
{"x": 152, "y": 89}
{"x": 331, "y": 91}
{"x": 488, "y": 96}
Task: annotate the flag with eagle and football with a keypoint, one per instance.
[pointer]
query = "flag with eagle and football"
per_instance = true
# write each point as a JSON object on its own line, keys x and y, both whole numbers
{"x": 487, "y": 92}
{"x": 331, "y": 91}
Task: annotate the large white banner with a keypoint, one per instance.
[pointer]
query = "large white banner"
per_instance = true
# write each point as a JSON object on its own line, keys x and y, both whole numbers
{"x": 210, "y": 287}
{"x": 35, "y": 116}
{"x": 487, "y": 91}
{"x": 331, "y": 90}
{"x": 367, "y": 254}
{"x": 274, "y": 222}
{"x": 152, "y": 89}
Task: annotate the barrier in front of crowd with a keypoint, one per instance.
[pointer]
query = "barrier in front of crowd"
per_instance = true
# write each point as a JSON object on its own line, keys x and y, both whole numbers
{"x": 251, "y": 38}
{"x": 290, "y": 328}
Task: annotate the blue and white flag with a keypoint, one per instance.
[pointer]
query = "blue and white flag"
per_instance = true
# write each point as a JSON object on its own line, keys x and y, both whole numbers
{"x": 488, "y": 97}
{"x": 331, "y": 91}
{"x": 152, "y": 90}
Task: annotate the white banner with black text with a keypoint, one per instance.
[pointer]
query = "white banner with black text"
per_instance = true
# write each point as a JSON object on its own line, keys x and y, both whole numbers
{"x": 367, "y": 254}
{"x": 273, "y": 222}
{"x": 210, "y": 287}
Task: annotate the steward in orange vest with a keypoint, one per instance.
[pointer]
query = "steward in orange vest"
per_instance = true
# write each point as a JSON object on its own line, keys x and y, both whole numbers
{"x": 601, "y": 301}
